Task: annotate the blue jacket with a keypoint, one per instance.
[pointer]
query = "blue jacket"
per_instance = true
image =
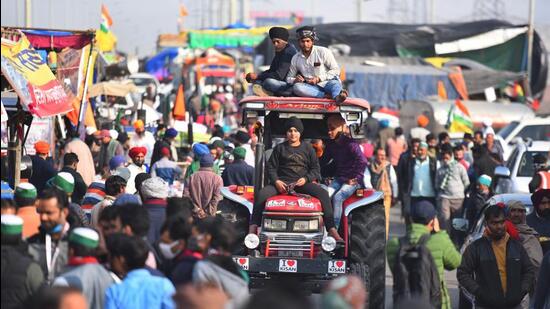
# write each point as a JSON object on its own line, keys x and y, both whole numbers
{"x": 140, "y": 289}
{"x": 157, "y": 216}
{"x": 42, "y": 171}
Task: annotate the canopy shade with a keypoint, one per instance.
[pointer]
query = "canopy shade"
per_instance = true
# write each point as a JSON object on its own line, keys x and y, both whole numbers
{"x": 112, "y": 88}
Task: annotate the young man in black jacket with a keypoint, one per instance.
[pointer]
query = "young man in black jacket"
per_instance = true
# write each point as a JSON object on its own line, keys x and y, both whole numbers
{"x": 496, "y": 269}
{"x": 273, "y": 80}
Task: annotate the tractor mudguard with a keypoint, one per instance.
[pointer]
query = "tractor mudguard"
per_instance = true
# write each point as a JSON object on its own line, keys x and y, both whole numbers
{"x": 363, "y": 202}
{"x": 239, "y": 199}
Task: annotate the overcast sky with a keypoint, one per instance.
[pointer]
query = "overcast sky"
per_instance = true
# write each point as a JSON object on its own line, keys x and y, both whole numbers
{"x": 137, "y": 23}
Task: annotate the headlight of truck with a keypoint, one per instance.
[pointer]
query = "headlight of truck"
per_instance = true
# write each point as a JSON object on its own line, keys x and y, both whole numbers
{"x": 305, "y": 225}
{"x": 275, "y": 224}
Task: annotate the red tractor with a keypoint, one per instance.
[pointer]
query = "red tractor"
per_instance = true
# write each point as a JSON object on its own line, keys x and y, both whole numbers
{"x": 292, "y": 240}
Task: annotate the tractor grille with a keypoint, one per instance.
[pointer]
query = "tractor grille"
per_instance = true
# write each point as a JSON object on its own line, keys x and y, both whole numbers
{"x": 291, "y": 245}
{"x": 290, "y": 238}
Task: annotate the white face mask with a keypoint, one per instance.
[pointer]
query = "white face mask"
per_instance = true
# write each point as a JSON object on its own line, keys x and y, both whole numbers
{"x": 166, "y": 249}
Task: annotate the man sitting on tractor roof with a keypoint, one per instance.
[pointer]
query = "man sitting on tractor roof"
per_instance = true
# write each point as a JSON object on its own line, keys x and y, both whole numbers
{"x": 314, "y": 71}
{"x": 294, "y": 164}
{"x": 273, "y": 80}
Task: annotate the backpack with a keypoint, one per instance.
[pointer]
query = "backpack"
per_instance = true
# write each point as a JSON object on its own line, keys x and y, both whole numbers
{"x": 415, "y": 272}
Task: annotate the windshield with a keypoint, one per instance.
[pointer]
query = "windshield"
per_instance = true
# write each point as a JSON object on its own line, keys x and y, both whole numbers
{"x": 505, "y": 132}
{"x": 138, "y": 81}
{"x": 525, "y": 168}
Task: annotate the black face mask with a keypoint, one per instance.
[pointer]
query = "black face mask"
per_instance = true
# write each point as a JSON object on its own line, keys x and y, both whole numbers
{"x": 545, "y": 213}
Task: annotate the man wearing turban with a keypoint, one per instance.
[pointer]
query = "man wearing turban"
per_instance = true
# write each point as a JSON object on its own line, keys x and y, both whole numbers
{"x": 42, "y": 166}
{"x": 143, "y": 138}
{"x": 138, "y": 155}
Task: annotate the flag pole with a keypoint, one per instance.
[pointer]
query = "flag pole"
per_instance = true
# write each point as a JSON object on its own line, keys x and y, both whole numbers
{"x": 83, "y": 103}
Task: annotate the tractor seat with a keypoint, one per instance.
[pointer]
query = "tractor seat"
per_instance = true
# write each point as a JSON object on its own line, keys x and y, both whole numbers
{"x": 292, "y": 203}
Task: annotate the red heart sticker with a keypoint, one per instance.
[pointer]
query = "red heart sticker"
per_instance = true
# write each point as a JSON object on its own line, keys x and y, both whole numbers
{"x": 339, "y": 264}
{"x": 290, "y": 263}
{"x": 242, "y": 261}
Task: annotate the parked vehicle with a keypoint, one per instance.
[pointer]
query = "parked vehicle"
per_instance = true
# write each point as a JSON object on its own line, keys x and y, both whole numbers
{"x": 292, "y": 240}
{"x": 519, "y": 169}
{"x": 536, "y": 129}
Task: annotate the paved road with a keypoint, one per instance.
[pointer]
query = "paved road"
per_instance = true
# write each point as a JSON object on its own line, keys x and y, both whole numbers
{"x": 397, "y": 228}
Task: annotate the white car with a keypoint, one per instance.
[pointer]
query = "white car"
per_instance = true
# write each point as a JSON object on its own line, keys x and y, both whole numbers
{"x": 142, "y": 80}
{"x": 519, "y": 168}
{"x": 537, "y": 129}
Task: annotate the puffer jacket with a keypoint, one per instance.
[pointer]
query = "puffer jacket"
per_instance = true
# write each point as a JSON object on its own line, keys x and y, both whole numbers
{"x": 443, "y": 251}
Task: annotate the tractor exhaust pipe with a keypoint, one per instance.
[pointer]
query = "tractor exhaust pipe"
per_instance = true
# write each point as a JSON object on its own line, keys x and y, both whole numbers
{"x": 259, "y": 160}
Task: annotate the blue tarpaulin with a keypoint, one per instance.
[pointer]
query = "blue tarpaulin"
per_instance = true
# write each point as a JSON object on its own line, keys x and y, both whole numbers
{"x": 387, "y": 86}
{"x": 158, "y": 64}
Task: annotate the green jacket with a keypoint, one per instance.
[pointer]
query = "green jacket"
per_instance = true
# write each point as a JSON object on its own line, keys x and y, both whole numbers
{"x": 443, "y": 251}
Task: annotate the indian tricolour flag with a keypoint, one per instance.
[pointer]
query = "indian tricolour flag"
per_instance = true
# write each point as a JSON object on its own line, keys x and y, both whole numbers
{"x": 106, "y": 20}
{"x": 459, "y": 118}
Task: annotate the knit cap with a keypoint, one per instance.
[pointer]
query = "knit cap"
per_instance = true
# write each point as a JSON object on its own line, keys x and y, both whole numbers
{"x": 7, "y": 191}
{"x": 63, "y": 181}
{"x": 11, "y": 225}
{"x": 25, "y": 190}
{"x": 94, "y": 195}
{"x": 85, "y": 237}
{"x": 294, "y": 122}
{"x": 278, "y": 33}
{"x": 484, "y": 180}
{"x": 239, "y": 153}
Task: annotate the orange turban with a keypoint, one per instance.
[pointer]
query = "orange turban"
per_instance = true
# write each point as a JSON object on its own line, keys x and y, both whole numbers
{"x": 422, "y": 121}
{"x": 134, "y": 151}
{"x": 138, "y": 124}
{"x": 42, "y": 147}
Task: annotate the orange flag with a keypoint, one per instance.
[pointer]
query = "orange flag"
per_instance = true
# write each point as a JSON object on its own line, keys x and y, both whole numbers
{"x": 457, "y": 79}
{"x": 179, "y": 105}
{"x": 441, "y": 92}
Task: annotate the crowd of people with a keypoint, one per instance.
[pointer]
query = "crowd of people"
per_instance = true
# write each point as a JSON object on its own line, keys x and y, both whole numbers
{"x": 124, "y": 222}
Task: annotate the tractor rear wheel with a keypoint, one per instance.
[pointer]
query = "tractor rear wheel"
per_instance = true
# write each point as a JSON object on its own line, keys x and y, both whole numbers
{"x": 368, "y": 247}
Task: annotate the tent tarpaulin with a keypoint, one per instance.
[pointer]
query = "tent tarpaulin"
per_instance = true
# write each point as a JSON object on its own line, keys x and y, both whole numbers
{"x": 159, "y": 63}
{"x": 387, "y": 86}
{"x": 381, "y": 39}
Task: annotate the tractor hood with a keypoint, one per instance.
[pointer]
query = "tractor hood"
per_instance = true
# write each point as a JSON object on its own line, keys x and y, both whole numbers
{"x": 291, "y": 203}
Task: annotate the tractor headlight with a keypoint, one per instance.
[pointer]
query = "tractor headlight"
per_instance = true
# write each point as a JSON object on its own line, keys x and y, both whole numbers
{"x": 305, "y": 225}
{"x": 328, "y": 244}
{"x": 275, "y": 224}
{"x": 252, "y": 241}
